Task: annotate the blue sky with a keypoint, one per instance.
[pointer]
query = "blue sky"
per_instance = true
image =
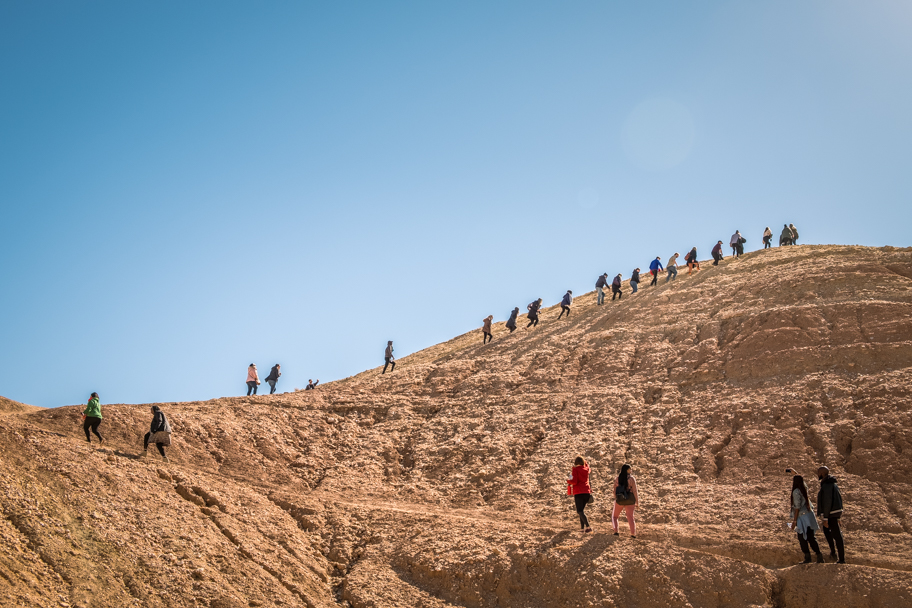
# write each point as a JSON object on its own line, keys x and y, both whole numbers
{"x": 189, "y": 187}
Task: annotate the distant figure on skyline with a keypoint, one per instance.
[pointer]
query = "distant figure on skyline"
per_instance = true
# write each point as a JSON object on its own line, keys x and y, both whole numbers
{"x": 736, "y": 243}
{"x": 785, "y": 238}
{"x": 486, "y": 329}
{"x": 566, "y": 301}
{"x": 794, "y": 234}
{"x": 311, "y": 385}
{"x": 717, "y": 253}
{"x": 273, "y": 377}
{"x": 655, "y": 267}
{"x": 91, "y": 418}
{"x": 692, "y": 262}
{"x": 616, "y": 288}
{"x": 388, "y": 357}
{"x": 511, "y": 322}
{"x": 634, "y": 280}
{"x": 600, "y": 286}
{"x": 533, "y": 309}
{"x": 672, "y": 267}
{"x": 767, "y": 237}
{"x": 253, "y": 379}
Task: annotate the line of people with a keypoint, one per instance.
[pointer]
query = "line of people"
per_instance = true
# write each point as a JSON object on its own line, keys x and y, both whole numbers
{"x": 159, "y": 430}
{"x": 253, "y": 379}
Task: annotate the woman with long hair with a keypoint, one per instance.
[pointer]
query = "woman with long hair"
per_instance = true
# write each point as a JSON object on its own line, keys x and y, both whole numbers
{"x": 627, "y": 482}
{"x": 804, "y": 522}
{"x": 578, "y": 487}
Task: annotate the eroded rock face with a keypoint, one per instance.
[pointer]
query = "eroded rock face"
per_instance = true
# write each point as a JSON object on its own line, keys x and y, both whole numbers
{"x": 443, "y": 483}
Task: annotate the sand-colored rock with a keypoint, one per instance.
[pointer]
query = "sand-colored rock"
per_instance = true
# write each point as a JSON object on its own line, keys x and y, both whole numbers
{"x": 442, "y": 484}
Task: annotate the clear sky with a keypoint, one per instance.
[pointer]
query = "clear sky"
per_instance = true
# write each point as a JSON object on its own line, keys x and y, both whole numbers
{"x": 189, "y": 187}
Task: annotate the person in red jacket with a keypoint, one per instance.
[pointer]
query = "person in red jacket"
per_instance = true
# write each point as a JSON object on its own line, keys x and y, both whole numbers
{"x": 578, "y": 487}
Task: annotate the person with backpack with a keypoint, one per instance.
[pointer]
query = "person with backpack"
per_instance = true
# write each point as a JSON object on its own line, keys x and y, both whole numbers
{"x": 616, "y": 288}
{"x": 600, "y": 286}
{"x": 91, "y": 418}
{"x": 634, "y": 280}
{"x": 739, "y": 246}
{"x": 717, "y": 253}
{"x": 578, "y": 487}
{"x": 486, "y": 329}
{"x": 803, "y": 520}
{"x": 672, "y": 267}
{"x": 511, "y": 322}
{"x": 829, "y": 506}
{"x": 273, "y": 377}
{"x": 767, "y": 237}
{"x": 566, "y": 301}
{"x": 253, "y": 379}
{"x": 626, "y": 499}
{"x": 785, "y": 237}
{"x": 733, "y": 242}
{"x": 389, "y": 358}
{"x": 159, "y": 433}
{"x": 794, "y": 234}
{"x": 655, "y": 267}
{"x": 533, "y": 309}
{"x": 691, "y": 259}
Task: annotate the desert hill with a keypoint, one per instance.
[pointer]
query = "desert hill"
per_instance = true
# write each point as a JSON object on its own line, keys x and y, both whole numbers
{"x": 442, "y": 484}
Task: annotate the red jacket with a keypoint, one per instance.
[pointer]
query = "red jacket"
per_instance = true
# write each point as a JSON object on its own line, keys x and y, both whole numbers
{"x": 579, "y": 483}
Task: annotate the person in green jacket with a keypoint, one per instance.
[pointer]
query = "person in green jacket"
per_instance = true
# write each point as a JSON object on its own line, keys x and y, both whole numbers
{"x": 91, "y": 418}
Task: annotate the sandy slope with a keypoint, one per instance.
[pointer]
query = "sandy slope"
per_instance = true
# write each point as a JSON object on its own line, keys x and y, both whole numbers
{"x": 442, "y": 484}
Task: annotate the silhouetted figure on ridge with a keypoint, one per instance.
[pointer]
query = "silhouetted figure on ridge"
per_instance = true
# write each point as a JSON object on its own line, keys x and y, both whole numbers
{"x": 533, "y": 309}
{"x": 692, "y": 262}
{"x": 655, "y": 267}
{"x": 388, "y": 357}
{"x": 511, "y": 322}
{"x": 672, "y": 267}
{"x": 616, "y": 288}
{"x": 311, "y": 385}
{"x": 91, "y": 418}
{"x": 794, "y": 234}
{"x": 273, "y": 377}
{"x": 486, "y": 329}
{"x": 717, "y": 253}
{"x": 767, "y": 237}
{"x": 785, "y": 238}
{"x": 634, "y": 280}
{"x": 253, "y": 379}
{"x": 600, "y": 286}
{"x": 566, "y": 301}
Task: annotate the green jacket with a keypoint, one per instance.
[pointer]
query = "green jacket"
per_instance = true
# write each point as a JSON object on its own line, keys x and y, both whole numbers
{"x": 93, "y": 409}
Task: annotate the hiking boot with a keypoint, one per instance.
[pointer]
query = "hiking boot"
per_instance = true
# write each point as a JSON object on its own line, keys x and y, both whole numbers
{"x": 820, "y": 559}
{"x": 807, "y": 559}
{"x": 587, "y": 530}
{"x": 841, "y": 561}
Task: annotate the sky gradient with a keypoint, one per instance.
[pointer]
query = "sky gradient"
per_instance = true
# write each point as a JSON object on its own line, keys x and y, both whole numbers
{"x": 192, "y": 187}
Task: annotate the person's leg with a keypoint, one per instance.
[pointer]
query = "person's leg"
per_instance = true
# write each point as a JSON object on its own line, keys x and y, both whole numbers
{"x": 833, "y": 534}
{"x": 85, "y": 427}
{"x": 146, "y": 441}
{"x": 655, "y": 277}
{"x": 392, "y": 366}
{"x": 250, "y": 386}
{"x": 272, "y": 385}
{"x": 804, "y": 548}
{"x": 614, "y": 516}
{"x": 254, "y": 388}
{"x": 674, "y": 272}
{"x": 600, "y": 298}
{"x": 385, "y": 365}
{"x": 631, "y": 521}
{"x": 580, "y": 500}
{"x": 814, "y": 546}
{"x": 94, "y": 426}
{"x": 161, "y": 449}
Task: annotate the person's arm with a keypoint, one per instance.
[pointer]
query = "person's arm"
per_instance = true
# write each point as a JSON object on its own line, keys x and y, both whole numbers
{"x": 632, "y": 483}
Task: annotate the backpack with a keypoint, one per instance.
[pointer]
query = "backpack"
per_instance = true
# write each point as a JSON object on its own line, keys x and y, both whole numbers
{"x": 623, "y": 495}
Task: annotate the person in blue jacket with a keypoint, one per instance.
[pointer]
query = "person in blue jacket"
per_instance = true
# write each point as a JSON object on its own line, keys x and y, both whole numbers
{"x": 655, "y": 267}
{"x": 565, "y": 304}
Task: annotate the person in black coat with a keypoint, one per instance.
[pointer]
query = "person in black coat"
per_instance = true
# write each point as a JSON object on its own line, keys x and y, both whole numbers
{"x": 273, "y": 377}
{"x": 533, "y": 313}
{"x": 159, "y": 423}
{"x": 511, "y": 322}
{"x": 616, "y": 288}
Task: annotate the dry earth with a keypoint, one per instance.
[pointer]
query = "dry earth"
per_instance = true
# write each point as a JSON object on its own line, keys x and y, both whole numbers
{"x": 442, "y": 484}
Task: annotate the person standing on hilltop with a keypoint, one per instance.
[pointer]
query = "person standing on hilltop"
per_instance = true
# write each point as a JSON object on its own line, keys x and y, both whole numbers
{"x": 655, "y": 267}
{"x": 691, "y": 259}
{"x": 733, "y": 242}
{"x": 566, "y": 301}
{"x": 511, "y": 322}
{"x": 388, "y": 357}
{"x": 311, "y": 385}
{"x": 578, "y": 487}
{"x": 626, "y": 498}
{"x": 253, "y": 379}
{"x": 600, "y": 286}
{"x": 486, "y": 329}
{"x": 717, "y": 253}
{"x": 794, "y": 234}
{"x": 91, "y": 418}
{"x": 159, "y": 433}
{"x": 829, "y": 506}
{"x": 803, "y": 521}
{"x": 616, "y": 288}
{"x": 634, "y": 280}
{"x": 672, "y": 267}
{"x": 767, "y": 237}
{"x": 785, "y": 237}
{"x": 273, "y": 377}
{"x": 533, "y": 309}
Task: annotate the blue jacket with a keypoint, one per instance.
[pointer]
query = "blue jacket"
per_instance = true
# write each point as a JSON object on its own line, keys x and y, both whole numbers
{"x": 567, "y": 299}
{"x": 655, "y": 265}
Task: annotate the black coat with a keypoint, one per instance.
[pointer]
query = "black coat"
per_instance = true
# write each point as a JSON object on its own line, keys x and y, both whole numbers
{"x": 160, "y": 423}
{"x": 274, "y": 373}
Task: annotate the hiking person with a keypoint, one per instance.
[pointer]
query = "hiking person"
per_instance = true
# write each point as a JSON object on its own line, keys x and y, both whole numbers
{"x": 739, "y": 246}
{"x": 634, "y": 280}
{"x": 578, "y": 487}
{"x": 486, "y": 329}
{"x": 655, "y": 267}
{"x": 672, "y": 267}
{"x": 566, "y": 301}
{"x": 767, "y": 236}
{"x": 273, "y": 377}
{"x": 829, "y": 506}
{"x": 616, "y": 288}
{"x": 803, "y": 520}
{"x": 717, "y": 253}
{"x": 511, "y": 322}
{"x": 691, "y": 259}
{"x": 600, "y": 286}
{"x": 785, "y": 238}
{"x": 311, "y": 385}
{"x": 389, "y": 358}
{"x": 159, "y": 433}
{"x": 91, "y": 418}
{"x": 733, "y": 242}
{"x": 533, "y": 309}
{"x": 626, "y": 499}
{"x": 794, "y": 234}
{"x": 253, "y": 379}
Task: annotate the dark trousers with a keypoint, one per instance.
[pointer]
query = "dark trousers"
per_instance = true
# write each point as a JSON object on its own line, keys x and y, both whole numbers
{"x": 581, "y": 501}
{"x": 389, "y": 361}
{"x": 810, "y": 541}
{"x": 717, "y": 257}
{"x": 91, "y": 423}
{"x": 766, "y": 242}
{"x": 160, "y": 446}
{"x": 655, "y": 277}
{"x": 512, "y": 328}
{"x": 564, "y": 309}
{"x": 532, "y": 321}
{"x": 616, "y": 292}
{"x": 833, "y": 534}
{"x": 272, "y": 384}
{"x": 251, "y": 387}
{"x": 485, "y": 340}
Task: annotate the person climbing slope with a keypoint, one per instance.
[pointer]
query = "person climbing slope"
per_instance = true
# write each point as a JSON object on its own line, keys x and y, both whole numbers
{"x": 273, "y": 377}
{"x": 616, "y": 288}
{"x": 735, "y": 239}
{"x": 600, "y": 286}
{"x": 253, "y": 379}
{"x": 634, "y": 280}
{"x": 626, "y": 499}
{"x": 578, "y": 487}
{"x": 691, "y": 259}
{"x": 486, "y": 329}
{"x": 511, "y": 322}
{"x": 655, "y": 267}
{"x": 388, "y": 357}
{"x": 785, "y": 237}
{"x": 672, "y": 267}
{"x": 566, "y": 301}
{"x": 533, "y": 309}
{"x": 91, "y": 418}
{"x": 767, "y": 237}
{"x": 159, "y": 433}
{"x": 717, "y": 253}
